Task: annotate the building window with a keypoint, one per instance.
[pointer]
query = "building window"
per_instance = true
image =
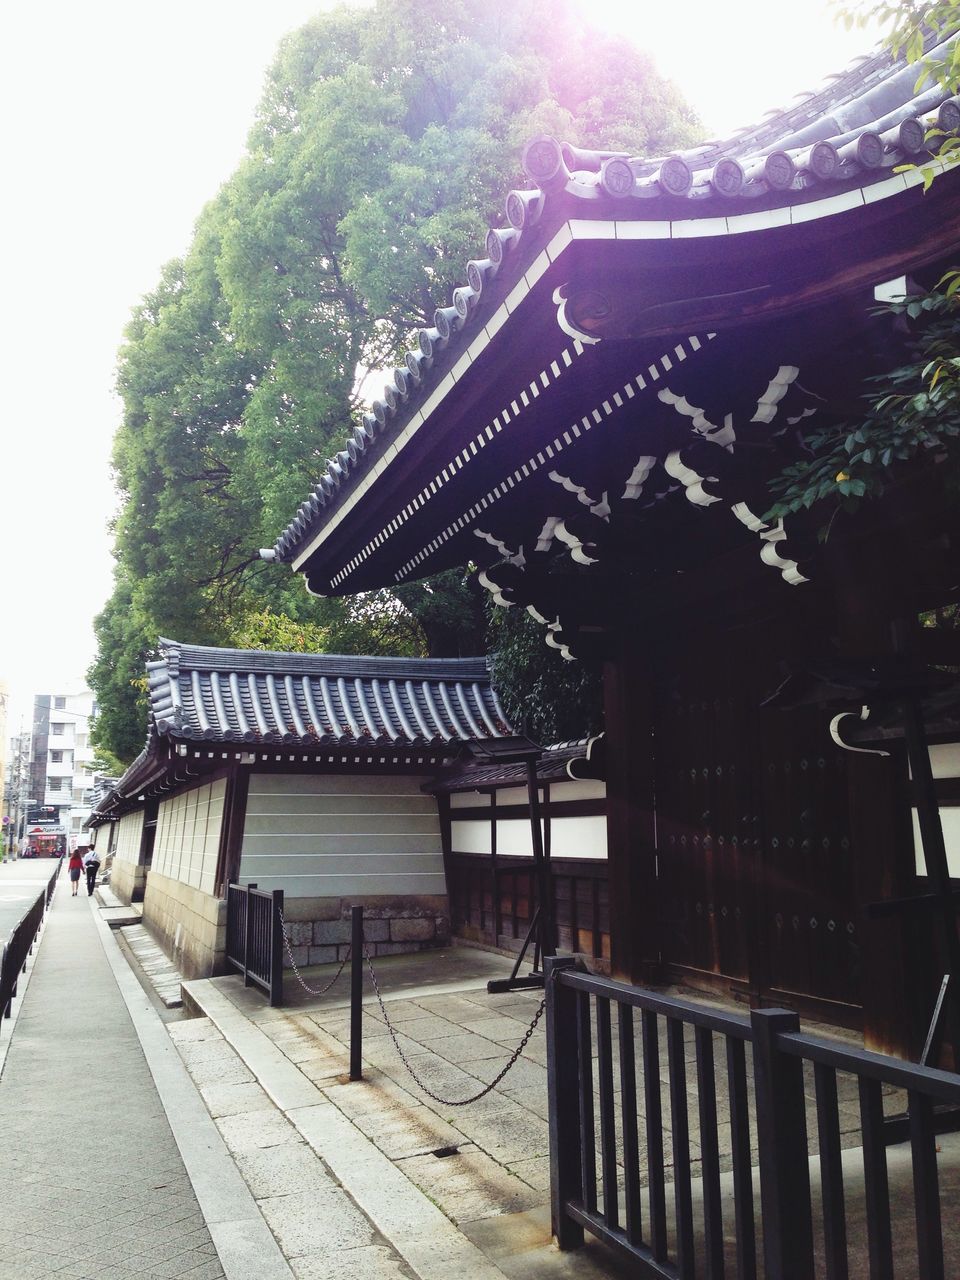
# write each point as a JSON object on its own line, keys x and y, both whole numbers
{"x": 56, "y": 757}
{"x": 58, "y": 729}
{"x": 59, "y": 704}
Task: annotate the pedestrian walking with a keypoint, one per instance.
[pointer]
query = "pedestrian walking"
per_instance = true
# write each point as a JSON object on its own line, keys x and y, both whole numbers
{"x": 91, "y": 865}
{"x": 75, "y": 867}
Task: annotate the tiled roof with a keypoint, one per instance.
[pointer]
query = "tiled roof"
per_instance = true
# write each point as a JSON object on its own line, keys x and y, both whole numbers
{"x": 561, "y": 762}
{"x": 852, "y": 133}
{"x": 248, "y": 696}
{"x": 313, "y": 703}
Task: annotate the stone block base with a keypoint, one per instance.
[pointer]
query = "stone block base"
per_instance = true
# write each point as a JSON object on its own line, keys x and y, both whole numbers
{"x": 128, "y": 880}
{"x": 319, "y": 928}
{"x": 190, "y": 925}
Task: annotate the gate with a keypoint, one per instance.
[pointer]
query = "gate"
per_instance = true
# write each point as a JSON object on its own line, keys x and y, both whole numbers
{"x": 754, "y": 850}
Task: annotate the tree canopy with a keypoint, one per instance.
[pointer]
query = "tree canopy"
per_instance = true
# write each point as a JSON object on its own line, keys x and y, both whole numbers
{"x": 381, "y": 150}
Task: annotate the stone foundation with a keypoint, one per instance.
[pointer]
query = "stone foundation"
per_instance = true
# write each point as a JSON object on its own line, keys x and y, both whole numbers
{"x": 319, "y": 928}
{"x": 191, "y": 926}
{"x": 128, "y": 880}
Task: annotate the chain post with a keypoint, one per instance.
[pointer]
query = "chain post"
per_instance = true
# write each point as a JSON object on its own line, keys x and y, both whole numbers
{"x": 356, "y": 992}
{"x": 276, "y": 948}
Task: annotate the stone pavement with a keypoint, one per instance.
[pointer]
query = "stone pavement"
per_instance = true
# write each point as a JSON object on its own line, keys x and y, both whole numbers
{"x": 164, "y": 976}
{"x": 343, "y": 1206}
{"x": 92, "y": 1183}
{"x": 486, "y": 1164}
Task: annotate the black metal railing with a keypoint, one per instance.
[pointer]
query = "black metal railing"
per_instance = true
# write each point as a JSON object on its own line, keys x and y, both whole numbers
{"x": 19, "y": 945}
{"x": 762, "y": 1160}
{"x": 255, "y": 937}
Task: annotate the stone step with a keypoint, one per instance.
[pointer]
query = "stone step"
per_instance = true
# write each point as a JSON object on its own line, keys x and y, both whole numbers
{"x": 431, "y": 1246}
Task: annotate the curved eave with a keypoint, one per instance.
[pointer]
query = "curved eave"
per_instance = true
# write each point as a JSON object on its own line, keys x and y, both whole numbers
{"x": 747, "y": 267}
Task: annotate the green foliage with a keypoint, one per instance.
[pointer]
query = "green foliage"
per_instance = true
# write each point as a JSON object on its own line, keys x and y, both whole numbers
{"x": 279, "y": 634}
{"x": 543, "y": 695}
{"x": 381, "y": 150}
{"x": 106, "y": 763}
{"x": 909, "y": 24}
{"x": 117, "y": 677}
{"x": 911, "y": 415}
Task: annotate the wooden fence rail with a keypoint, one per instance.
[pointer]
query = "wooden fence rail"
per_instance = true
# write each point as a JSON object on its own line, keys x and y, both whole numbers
{"x": 677, "y": 1194}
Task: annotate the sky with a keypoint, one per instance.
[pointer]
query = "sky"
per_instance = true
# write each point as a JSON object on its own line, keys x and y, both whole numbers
{"x": 122, "y": 118}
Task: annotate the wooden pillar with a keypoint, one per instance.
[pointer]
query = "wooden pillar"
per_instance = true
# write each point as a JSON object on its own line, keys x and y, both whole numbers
{"x": 880, "y": 832}
{"x": 632, "y": 870}
{"x": 881, "y": 845}
{"x": 231, "y": 832}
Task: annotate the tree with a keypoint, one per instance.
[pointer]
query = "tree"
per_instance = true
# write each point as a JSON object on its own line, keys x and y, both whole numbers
{"x": 380, "y": 153}
{"x": 912, "y": 414}
{"x": 544, "y": 696}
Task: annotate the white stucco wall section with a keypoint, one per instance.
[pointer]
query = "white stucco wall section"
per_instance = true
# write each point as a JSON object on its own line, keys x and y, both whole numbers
{"x": 945, "y": 763}
{"x": 188, "y": 835}
{"x": 333, "y": 836}
{"x": 129, "y": 834}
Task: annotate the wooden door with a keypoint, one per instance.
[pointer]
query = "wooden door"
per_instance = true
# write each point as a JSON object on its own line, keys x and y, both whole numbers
{"x": 754, "y": 860}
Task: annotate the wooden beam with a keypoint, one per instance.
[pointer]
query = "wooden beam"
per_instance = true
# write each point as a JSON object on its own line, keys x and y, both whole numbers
{"x": 631, "y": 845}
{"x": 231, "y": 832}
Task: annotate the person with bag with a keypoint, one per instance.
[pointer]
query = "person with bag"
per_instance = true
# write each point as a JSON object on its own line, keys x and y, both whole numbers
{"x": 91, "y": 865}
{"x": 74, "y": 867}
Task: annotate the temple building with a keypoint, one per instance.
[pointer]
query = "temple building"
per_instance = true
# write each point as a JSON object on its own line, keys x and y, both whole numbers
{"x": 595, "y": 420}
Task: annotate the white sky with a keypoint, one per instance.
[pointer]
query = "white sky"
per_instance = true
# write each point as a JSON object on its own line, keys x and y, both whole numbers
{"x": 122, "y": 117}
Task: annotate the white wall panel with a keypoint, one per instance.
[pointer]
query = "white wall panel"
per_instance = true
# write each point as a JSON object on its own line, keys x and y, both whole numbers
{"x": 130, "y": 830}
{"x": 468, "y": 836}
{"x": 188, "y": 835}
{"x": 333, "y": 835}
{"x": 950, "y": 821}
{"x": 578, "y": 837}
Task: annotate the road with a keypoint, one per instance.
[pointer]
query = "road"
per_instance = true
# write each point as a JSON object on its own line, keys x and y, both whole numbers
{"x": 20, "y": 882}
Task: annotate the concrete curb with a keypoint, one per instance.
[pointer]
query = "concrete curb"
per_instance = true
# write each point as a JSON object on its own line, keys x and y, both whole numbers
{"x": 244, "y": 1242}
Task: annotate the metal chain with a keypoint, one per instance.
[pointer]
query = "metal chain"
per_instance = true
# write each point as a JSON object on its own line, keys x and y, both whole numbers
{"x": 451, "y": 1102}
{"x": 314, "y": 991}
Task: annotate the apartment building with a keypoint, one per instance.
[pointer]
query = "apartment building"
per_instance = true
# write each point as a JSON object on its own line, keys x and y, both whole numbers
{"x": 61, "y": 763}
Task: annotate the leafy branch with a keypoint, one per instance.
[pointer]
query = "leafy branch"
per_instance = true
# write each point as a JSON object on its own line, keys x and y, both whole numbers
{"x": 911, "y": 414}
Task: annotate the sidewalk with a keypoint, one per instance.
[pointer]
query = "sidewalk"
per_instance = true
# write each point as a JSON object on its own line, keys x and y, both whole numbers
{"x": 92, "y": 1182}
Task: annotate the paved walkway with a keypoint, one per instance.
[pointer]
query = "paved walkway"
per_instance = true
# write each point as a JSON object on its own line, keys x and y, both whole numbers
{"x": 92, "y": 1183}
{"x": 486, "y": 1164}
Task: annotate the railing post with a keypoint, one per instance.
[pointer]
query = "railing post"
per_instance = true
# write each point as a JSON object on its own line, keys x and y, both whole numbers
{"x": 356, "y": 992}
{"x": 246, "y": 933}
{"x": 563, "y": 1101}
{"x": 782, "y": 1143}
{"x": 276, "y": 949}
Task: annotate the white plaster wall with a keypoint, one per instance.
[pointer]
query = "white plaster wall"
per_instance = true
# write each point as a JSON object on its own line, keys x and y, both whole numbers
{"x": 188, "y": 835}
